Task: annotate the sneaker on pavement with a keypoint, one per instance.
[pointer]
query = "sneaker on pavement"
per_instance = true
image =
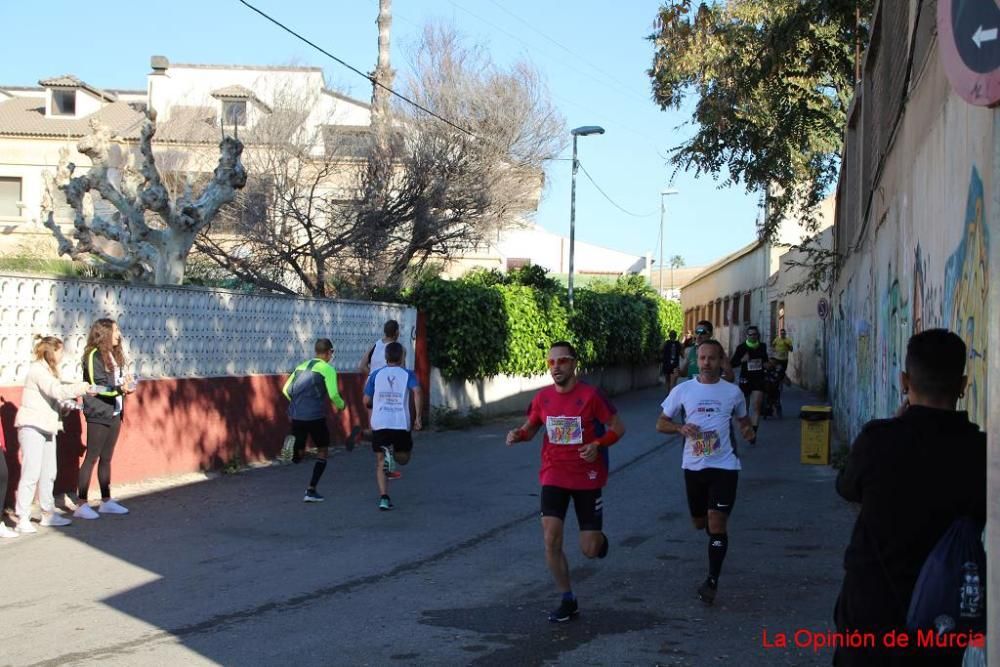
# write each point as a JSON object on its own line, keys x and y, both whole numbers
{"x": 7, "y": 532}
{"x": 54, "y": 520}
{"x": 566, "y": 610}
{"x": 85, "y": 511}
{"x": 393, "y": 475}
{"x": 352, "y": 438}
{"x": 385, "y": 504}
{"x": 707, "y": 590}
{"x": 312, "y": 496}
{"x": 25, "y": 527}
{"x": 111, "y": 507}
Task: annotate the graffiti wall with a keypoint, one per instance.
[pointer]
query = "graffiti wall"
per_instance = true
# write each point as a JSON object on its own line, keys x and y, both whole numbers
{"x": 922, "y": 262}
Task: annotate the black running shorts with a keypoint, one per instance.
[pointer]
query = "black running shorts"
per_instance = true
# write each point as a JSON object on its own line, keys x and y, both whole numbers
{"x": 711, "y": 489}
{"x": 313, "y": 428}
{"x": 398, "y": 439}
{"x": 587, "y": 504}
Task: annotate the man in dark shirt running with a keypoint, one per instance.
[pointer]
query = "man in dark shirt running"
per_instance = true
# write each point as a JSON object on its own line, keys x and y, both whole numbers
{"x": 750, "y": 356}
{"x": 671, "y": 359}
{"x": 914, "y": 475}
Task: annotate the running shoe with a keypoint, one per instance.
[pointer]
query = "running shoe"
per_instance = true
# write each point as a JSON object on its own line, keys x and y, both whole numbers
{"x": 707, "y": 590}
{"x": 85, "y": 511}
{"x": 8, "y": 532}
{"x": 384, "y": 503}
{"x": 111, "y": 507}
{"x": 286, "y": 448}
{"x": 566, "y": 610}
{"x": 393, "y": 475}
{"x": 25, "y": 528}
{"x": 312, "y": 497}
{"x": 352, "y": 438}
{"x": 54, "y": 520}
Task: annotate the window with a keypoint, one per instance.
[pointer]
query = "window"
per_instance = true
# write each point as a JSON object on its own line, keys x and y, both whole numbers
{"x": 10, "y": 197}
{"x": 718, "y": 313}
{"x": 746, "y": 308}
{"x": 234, "y": 112}
{"x": 725, "y": 312}
{"x": 736, "y": 309}
{"x": 774, "y": 320}
{"x": 63, "y": 102}
{"x": 517, "y": 262}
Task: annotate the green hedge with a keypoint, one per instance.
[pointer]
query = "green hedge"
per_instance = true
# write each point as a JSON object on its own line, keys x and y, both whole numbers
{"x": 488, "y": 324}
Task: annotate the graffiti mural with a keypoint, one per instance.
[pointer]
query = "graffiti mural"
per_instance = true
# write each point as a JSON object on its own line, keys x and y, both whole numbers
{"x": 966, "y": 300}
{"x": 892, "y": 290}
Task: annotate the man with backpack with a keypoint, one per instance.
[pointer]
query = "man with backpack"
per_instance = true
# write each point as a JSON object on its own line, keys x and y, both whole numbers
{"x": 914, "y": 475}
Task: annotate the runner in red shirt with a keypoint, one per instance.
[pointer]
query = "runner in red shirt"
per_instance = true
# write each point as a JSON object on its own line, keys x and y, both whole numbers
{"x": 580, "y": 424}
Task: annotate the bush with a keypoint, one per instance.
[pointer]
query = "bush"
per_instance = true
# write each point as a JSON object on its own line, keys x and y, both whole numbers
{"x": 488, "y": 323}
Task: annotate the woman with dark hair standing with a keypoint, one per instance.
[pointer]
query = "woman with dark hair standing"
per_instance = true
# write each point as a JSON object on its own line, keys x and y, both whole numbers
{"x": 104, "y": 365}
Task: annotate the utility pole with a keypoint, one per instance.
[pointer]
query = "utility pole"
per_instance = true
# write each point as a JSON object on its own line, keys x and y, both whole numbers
{"x": 382, "y": 81}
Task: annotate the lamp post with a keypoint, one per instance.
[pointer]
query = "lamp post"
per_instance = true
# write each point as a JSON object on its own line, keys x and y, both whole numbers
{"x": 576, "y": 132}
{"x": 663, "y": 210}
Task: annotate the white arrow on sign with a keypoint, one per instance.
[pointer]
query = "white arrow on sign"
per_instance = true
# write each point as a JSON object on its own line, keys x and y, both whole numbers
{"x": 984, "y": 36}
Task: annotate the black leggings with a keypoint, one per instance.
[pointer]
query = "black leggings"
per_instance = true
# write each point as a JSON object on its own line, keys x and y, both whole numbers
{"x": 101, "y": 439}
{"x": 3, "y": 481}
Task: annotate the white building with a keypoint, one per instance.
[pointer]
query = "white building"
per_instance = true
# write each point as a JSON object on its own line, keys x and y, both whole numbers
{"x": 192, "y": 103}
{"x": 753, "y": 286}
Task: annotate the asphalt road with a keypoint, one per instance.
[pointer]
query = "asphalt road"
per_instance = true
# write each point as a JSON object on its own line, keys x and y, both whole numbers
{"x": 239, "y": 571}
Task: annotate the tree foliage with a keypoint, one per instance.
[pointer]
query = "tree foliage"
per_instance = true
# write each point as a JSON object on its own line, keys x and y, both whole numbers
{"x": 490, "y": 323}
{"x": 773, "y": 80}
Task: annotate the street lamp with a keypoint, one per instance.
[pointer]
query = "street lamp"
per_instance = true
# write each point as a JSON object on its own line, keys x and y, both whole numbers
{"x": 576, "y": 132}
{"x": 663, "y": 210}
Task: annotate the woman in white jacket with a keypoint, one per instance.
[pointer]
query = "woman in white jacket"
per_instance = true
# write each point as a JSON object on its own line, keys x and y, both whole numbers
{"x": 37, "y": 423}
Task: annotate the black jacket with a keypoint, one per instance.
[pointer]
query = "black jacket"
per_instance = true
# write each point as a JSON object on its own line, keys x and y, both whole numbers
{"x": 913, "y": 476}
{"x": 100, "y": 409}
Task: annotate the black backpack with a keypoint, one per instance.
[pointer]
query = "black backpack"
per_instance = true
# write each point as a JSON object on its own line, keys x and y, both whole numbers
{"x": 950, "y": 594}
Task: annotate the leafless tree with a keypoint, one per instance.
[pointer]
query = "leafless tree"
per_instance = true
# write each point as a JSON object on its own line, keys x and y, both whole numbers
{"x": 348, "y": 213}
{"x": 149, "y": 235}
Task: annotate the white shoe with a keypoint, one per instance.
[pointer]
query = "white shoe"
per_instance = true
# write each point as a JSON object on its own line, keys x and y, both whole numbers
{"x": 8, "y": 532}
{"x": 85, "y": 511}
{"x": 25, "y": 527}
{"x": 111, "y": 507}
{"x": 54, "y": 520}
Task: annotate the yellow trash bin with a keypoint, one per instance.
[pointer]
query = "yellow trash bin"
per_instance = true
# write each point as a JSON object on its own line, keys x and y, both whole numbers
{"x": 816, "y": 433}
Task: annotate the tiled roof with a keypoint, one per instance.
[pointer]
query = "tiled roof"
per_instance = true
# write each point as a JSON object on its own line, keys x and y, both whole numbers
{"x": 233, "y": 91}
{"x": 25, "y": 116}
{"x": 72, "y": 81}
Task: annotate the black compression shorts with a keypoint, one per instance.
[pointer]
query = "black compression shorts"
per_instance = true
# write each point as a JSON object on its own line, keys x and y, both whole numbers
{"x": 587, "y": 504}
{"x": 711, "y": 489}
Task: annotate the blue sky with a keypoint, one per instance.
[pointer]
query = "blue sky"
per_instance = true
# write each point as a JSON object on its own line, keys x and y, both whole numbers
{"x": 593, "y": 54}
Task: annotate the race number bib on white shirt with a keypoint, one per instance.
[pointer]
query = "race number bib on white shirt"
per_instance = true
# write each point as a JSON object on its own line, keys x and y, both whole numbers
{"x": 710, "y": 407}
{"x": 754, "y": 364}
{"x": 564, "y": 430}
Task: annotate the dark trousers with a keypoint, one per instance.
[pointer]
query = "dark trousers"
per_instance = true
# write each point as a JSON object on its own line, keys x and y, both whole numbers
{"x": 101, "y": 440}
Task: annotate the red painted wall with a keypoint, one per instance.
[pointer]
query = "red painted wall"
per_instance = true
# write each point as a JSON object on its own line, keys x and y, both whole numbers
{"x": 189, "y": 425}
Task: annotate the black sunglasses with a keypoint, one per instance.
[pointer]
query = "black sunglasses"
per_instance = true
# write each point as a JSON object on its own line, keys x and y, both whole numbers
{"x": 703, "y": 331}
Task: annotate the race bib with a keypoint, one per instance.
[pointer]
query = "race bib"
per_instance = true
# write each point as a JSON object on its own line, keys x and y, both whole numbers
{"x": 755, "y": 364}
{"x": 564, "y": 430}
{"x": 706, "y": 444}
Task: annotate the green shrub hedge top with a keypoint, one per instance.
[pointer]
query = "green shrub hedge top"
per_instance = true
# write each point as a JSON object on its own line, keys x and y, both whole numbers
{"x": 488, "y": 324}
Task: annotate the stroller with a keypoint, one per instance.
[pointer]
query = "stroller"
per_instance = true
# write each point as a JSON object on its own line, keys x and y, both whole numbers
{"x": 774, "y": 376}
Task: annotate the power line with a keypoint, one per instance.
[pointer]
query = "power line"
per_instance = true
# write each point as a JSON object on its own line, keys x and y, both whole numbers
{"x": 613, "y": 203}
{"x": 356, "y": 70}
{"x": 608, "y": 75}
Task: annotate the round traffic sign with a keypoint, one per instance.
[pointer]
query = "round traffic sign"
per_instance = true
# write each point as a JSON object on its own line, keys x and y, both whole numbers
{"x": 969, "y": 40}
{"x": 823, "y": 308}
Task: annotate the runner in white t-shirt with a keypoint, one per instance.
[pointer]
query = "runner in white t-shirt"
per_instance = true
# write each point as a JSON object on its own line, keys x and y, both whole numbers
{"x": 710, "y": 462}
{"x": 387, "y": 394}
